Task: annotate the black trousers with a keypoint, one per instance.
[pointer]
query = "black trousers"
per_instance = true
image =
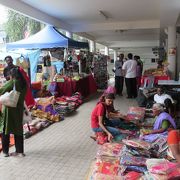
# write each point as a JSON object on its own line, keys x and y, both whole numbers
{"x": 131, "y": 86}
{"x": 19, "y": 143}
{"x": 119, "y": 81}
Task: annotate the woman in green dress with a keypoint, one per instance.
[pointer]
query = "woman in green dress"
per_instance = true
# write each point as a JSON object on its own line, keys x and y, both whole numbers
{"x": 11, "y": 118}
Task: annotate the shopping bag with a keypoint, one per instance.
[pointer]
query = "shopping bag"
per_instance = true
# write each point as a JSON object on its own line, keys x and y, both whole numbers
{"x": 10, "y": 99}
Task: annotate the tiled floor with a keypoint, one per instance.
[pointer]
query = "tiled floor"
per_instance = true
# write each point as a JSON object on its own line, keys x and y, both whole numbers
{"x": 63, "y": 151}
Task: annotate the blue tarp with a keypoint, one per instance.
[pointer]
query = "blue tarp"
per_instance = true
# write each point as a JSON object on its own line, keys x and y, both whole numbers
{"x": 48, "y": 37}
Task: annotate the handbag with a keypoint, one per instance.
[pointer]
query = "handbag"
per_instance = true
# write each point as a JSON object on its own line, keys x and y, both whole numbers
{"x": 10, "y": 99}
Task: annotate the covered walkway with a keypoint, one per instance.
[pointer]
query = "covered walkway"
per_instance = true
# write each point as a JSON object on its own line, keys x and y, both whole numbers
{"x": 63, "y": 151}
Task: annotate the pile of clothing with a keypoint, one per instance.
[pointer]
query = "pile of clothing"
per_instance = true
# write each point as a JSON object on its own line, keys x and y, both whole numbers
{"x": 65, "y": 105}
{"x": 133, "y": 159}
{"x": 35, "y": 126}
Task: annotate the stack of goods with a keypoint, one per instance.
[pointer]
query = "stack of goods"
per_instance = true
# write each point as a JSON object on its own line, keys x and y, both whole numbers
{"x": 135, "y": 114}
{"x": 107, "y": 164}
{"x": 100, "y": 71}
{"x": 35, "y": 126}
{"x": 65, "y": 105}
{"x": 162, "y": 169}
{"x": 45, "y": 109}
{"x": 154, "y": 72}
{"x": 132, "y": 160}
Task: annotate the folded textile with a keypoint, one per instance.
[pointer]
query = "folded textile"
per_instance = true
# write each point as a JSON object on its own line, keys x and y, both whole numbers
{"x": 165, "y": 168}
{"x": 107, "y": 166}
{"x": 132, "y": 175}
{"x": 139, "y": 169}
{"x": 153, "y": 162}
{"x": 135, "y": 113}
{"x": 160, "y": 144}
{"x": 138, "y": 143}
{"x": 138, "y": 152}
{"x": 100, "y": 176}
{"x": 110, "y": 149}
{"x": 129, "y": 160}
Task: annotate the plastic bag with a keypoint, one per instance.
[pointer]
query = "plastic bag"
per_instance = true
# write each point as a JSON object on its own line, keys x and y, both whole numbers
{"x": 10, "y": 99}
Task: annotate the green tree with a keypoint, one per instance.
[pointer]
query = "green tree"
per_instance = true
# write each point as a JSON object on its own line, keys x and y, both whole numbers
{"x": 17, "y": 25}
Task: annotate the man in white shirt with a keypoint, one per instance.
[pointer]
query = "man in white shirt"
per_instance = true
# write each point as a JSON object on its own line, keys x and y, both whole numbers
{"x": 129, "y": 69}
{"x": 161, "y": 96}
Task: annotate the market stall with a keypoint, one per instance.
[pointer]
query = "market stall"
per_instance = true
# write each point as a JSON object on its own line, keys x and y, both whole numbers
{"x": 157, "y": 74}
{"x": 85, "y": 86}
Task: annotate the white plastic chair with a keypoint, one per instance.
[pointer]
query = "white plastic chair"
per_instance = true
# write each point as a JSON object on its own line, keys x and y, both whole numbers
{"x": 148, "y": 83}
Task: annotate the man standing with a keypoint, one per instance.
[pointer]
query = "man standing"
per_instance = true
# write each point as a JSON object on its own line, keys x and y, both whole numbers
{"x": 129, "y": 69}
{"x": 9, "y": 60}
{"x": 9, "y": 66}
{"x": 119, "y": 79}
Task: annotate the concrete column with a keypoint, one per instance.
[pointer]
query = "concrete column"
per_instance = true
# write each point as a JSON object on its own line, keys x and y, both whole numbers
{"x": 172, "y": 50}
{"x": 92, "y": 46}
{"x": 106, "y": 51}
{"x": 69, "y": 34}
{"x": 115, "y": 56}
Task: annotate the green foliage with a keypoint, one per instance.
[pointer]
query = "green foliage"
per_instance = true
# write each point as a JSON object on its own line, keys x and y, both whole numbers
{"x": 18, "y": 24}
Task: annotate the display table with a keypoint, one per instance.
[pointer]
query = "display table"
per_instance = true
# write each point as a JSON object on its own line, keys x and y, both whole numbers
{"x": 171, "y": 83}
{"x": 156, "y": 79}
{"x": 85, "y": 86}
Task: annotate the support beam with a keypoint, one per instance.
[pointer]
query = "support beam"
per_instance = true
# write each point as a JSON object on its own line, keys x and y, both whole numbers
{"x": 92, "y": 46}
{"x": 106, "y": 51}
{"x": 148, "y": 24}
{"x": 133, "y": 44}
{"x": 172, "y": 50}
{"x": 115, "y": 56}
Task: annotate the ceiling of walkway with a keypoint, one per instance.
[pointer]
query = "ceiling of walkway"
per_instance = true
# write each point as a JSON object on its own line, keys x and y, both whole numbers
{"x": 128, "y": 23}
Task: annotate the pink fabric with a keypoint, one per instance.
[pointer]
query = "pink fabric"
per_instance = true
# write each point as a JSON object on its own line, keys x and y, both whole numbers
{"x": 111, "y": 90}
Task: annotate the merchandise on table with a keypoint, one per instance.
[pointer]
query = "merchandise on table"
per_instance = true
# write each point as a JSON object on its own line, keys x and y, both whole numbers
{"x": 100, "y": 71}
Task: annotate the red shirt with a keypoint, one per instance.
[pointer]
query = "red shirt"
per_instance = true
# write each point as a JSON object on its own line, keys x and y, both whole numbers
{"x": 99, "y": 110}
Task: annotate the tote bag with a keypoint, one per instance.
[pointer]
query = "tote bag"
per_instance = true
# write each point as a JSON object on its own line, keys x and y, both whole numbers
{"x": 10, "y": 99}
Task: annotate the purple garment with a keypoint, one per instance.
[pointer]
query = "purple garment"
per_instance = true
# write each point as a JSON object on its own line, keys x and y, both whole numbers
{"x": 161, "y": 117}
{"x": 51, "y": 110}
{"x": 157, "y": 125}
{"x": 138, "y": 71}
{"x": 48, "y": 108}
